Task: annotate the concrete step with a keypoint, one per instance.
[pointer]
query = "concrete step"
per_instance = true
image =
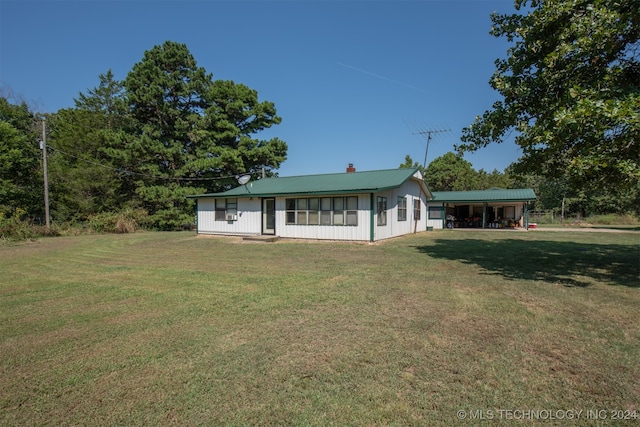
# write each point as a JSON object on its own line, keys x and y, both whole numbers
{"x": 261, "y": 238}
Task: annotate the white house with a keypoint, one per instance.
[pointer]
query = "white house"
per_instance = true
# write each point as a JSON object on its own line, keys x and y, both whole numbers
{"x": 356, "y": 206}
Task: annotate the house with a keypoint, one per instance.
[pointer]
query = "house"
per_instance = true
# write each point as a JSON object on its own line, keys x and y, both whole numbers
{"x": 354, "y": 206}
{"x": 493, "y": 208}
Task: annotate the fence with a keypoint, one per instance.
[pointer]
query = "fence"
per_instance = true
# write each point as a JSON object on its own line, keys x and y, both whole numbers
{"x": 551, "y": 217}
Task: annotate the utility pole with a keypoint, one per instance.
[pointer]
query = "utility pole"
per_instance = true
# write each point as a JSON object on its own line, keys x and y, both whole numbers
{"x": 43, "y": 147}
{"x": 428, "y": 133}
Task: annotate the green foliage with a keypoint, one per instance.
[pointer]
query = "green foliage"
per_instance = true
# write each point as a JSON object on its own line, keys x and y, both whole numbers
{"x": 20, "y": 172}
{"x": 450, "y": 172}
{"x": 125, "y": 221}
{"x": 13, "y": 228}
{"x": 410, "y": 164}
{"x": 82, "y": 177}
{"x": 578, "y": 201}
{"x": 167, "y": 131}
{"x": 17, "y": 227}
{"x": 106, "y": 99}
{"x": 189, "y": 131}
{"x": 613, "y": 219}
{"x": 571, "y": 88}
{"x": 495, "y": 179}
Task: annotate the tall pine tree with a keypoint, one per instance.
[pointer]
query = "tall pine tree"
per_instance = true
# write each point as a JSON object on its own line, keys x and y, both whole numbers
{"x": 83, "y": 175}
{"x": 189, "y": 132}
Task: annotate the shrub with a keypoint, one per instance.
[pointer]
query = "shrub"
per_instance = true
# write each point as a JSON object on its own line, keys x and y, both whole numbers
{"x": 613, "y": 219}
{"x": 127, "y": 220}
{"x": 13, "y": 228}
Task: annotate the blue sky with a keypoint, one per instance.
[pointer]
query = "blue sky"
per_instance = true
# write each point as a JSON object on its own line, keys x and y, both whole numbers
{"x": 353, "y": 80}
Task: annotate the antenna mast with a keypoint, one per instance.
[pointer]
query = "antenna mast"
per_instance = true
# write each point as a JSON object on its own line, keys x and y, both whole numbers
{"x": 428, "y": 133}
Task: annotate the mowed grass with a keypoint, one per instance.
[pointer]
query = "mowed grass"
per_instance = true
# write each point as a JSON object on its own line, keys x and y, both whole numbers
{"x": 178, "y": 329}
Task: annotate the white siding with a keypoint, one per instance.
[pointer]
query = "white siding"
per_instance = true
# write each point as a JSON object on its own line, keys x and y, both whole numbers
{"x": 410, "y": 190}
{"x": 249, "y": 218}
{"x": 435, "y": 223}
{"x": 360, "y": 232}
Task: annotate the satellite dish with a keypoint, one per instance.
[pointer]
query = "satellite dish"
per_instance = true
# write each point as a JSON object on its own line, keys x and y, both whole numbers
{"x": 243, "y": 179}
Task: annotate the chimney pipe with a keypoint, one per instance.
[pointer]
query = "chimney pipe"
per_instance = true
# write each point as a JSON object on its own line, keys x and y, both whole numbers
{"x": 350, "y": 168}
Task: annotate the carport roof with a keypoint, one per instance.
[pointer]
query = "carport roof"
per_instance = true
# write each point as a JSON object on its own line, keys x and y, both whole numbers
{"x": 335, "y": 183}
{"x": 481, "y": 196}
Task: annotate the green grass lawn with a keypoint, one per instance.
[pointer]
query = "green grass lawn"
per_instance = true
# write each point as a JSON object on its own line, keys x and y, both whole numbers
{"x": 173, "y": 328}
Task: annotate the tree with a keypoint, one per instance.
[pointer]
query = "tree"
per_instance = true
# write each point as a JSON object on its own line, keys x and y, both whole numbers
{"x": 571, "y": 89}
{"x": 84, "y": 178}
{"x": 21, "y": 185}
{"x": 562, "y": 198}
{"x": 450, "y": 172}
{"x": 189, "y": 133}
{"x": 410, "y": 164}
{"x": 495, "y": 179}
{"x": 235, "y": 115}
{"x": 106, "y": 99}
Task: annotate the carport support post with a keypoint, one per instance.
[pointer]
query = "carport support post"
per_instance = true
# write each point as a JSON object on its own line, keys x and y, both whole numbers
{"x": 484, "y": 214}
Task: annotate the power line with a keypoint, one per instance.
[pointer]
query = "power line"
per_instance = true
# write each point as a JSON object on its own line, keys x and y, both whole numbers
{"x": 128, "y": 172}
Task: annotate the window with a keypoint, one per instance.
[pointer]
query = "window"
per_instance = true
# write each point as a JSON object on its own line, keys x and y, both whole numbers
{"x": 352, "y": 211}
{"x": 338, "y": 211}
{"x": 416, "y": 209}
{"x": 382, "y": 210}
{"x": 290, "y": 205}
{"x": 436, "y": 212}
{"x": 325, "y": 211}
{"x": 224, "y": 207}
{"x": 301, "y": 214}
{"x": 314, "y": 216}
{"x": 322, "y": 211}
{"x": 232, "y": 206}
{"x": 402, "y": 208}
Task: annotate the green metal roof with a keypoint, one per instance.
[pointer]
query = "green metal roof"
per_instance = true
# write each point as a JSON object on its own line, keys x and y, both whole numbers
{"x": 335, "y": 183}
{"x": 492, "y": 195}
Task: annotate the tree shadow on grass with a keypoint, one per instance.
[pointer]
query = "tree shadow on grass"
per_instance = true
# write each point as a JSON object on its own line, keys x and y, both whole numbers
{"x": 567, "y": 263}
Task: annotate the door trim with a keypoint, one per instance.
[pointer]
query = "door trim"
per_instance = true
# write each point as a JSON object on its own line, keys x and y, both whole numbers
{"x": 266, "y": 213}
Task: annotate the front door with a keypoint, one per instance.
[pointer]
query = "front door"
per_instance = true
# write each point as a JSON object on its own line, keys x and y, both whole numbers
{"x": 268, "y": 216}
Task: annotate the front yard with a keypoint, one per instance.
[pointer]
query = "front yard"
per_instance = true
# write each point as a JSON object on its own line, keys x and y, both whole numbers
{"x": 437, "y": 328}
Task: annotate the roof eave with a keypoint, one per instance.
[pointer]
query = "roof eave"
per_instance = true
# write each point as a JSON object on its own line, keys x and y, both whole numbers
{"x": 293, "y": 193}
{"x": 482, "y": 200}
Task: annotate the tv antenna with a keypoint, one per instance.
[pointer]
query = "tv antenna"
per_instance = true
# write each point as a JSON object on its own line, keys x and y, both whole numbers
{"x": 429, "y": 133}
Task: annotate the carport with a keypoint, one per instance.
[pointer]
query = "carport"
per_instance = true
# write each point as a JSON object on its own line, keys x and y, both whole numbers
{"x": 493, "y": 208}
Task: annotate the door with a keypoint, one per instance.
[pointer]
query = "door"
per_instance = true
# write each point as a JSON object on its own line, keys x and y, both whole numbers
{"x": 268, "y": 216}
